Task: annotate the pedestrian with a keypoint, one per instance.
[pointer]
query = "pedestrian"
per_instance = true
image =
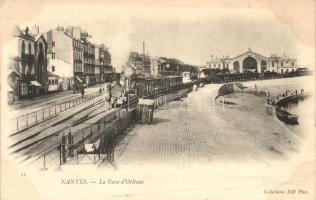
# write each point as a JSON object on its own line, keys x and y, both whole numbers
{"x": 70, "y": 144}
{"x": 82, "y": 93}
{"x": 63, "y": 148}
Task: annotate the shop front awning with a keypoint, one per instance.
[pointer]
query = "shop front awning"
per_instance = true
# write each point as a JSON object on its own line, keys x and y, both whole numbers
{"x": 9, "y": 88}
{"x": 79, "y": 79}
{"x": 35, "y": 83}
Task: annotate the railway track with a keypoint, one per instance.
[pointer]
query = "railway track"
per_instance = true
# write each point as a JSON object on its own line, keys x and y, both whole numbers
{"x": 50, "y": 146}
{"x": 25, "y": 141}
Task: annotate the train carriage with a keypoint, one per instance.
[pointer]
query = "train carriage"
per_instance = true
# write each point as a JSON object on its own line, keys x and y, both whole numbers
{"x": 153, "y": 87}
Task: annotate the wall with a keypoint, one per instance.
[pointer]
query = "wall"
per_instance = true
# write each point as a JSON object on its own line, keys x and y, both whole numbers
{"x": 52, "y": 84}
{"x": 63, "y": 46}
{"x": 62, "y": 68}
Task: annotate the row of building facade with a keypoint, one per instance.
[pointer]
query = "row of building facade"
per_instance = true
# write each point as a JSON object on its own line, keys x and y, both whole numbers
{"x": 55, "y": 61}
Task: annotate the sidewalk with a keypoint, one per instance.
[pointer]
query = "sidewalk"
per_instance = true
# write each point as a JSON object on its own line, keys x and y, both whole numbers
{"x": 41, "y": 97}
{"x": 27, "y": 105}
{"x": 49, "y": 95}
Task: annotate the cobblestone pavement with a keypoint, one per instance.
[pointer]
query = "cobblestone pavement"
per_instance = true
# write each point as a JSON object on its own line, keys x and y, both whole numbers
{"x": 198, "y": 130}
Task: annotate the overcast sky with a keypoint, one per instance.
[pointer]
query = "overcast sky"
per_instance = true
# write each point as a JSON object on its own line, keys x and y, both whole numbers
{"x": 192, "y": 35}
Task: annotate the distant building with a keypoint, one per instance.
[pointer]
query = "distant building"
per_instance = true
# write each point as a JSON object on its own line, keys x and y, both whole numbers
{"x": 283, "y": 64}
{"x": 253, "y": 62}
{"x": 28, "y": 63}
{"x": 201, "y": 73}
{"x": 155, "y": 66}
{"x": 106, "y": 68}
{"x": 140, "y": 63}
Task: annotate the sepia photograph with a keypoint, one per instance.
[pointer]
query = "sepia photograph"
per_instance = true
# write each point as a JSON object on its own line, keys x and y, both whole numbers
{"x": 158, "y": 100}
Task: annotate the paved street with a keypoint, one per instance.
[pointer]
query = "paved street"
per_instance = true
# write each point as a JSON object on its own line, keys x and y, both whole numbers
{"x": 200, "y": 131}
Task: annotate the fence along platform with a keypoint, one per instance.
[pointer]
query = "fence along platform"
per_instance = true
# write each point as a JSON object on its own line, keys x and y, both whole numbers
{"x": 104, "y": 127}
{"x": 30, "y": 119}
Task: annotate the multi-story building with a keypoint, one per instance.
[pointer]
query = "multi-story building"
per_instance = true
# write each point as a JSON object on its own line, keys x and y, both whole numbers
{"x": 76, "y": 60}
{"x": 78, "y": 47}
{"x": 61, "y": 57}
{"x": 283, "y": 64}
{"x": 97, "y": 64}
{"x": 219, "y": 63}
{"x": 106, "y": 68}
{"x": 28, "y": 63}
{"x": 252, "y": 62}
{"x": 89, "y": 63}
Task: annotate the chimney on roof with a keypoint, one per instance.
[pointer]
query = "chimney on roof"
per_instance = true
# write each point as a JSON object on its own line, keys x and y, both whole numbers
{"x": 144, "y": 47}
{"x": 27, "y": 30}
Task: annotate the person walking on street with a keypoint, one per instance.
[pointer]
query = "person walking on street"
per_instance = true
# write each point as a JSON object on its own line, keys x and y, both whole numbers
{"x": 70, "y": 143}
{"x": 82, "y": 93}
{"x": 63, "y": 148}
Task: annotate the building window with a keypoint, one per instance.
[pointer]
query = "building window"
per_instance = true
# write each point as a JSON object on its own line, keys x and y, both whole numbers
{"x": 282, "y": 64}
{"x": 30, "y": 48}
{"x": 53, "y": 43}
{"x": 53, "y": 68}
{"x": 23, "y": 48}
{"x": 292, "y": 63}
{"x": 53, "y": 55}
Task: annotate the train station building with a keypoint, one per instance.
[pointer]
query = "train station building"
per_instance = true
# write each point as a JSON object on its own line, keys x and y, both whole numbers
{"x": 253, "y": 62}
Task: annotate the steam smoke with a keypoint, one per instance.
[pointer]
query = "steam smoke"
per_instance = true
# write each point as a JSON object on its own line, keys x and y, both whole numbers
{"x": 119, "y": 42}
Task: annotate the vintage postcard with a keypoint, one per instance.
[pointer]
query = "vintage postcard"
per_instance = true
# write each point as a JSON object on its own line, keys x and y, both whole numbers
{"x": 193, "y": 100}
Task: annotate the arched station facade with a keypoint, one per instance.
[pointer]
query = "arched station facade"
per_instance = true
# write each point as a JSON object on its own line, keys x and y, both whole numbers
{"x": 253, "y": 62}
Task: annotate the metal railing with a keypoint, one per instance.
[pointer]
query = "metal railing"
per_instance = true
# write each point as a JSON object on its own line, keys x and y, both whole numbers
{"x": 111, "y": 124}
{"x": 38, "y": 116}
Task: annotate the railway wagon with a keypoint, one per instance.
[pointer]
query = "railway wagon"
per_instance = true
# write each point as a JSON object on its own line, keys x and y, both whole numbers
{"x": 153, "y": 87}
